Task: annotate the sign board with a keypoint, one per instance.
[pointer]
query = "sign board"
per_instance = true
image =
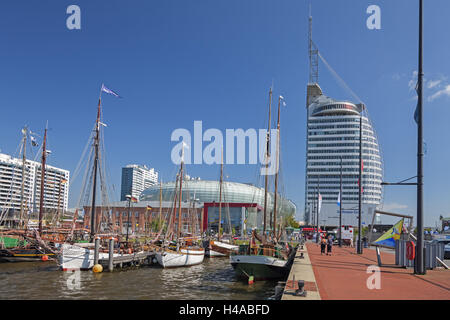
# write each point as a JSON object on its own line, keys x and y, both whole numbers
{"x": 347, "y": 232}
{"x": 349, "y": 211}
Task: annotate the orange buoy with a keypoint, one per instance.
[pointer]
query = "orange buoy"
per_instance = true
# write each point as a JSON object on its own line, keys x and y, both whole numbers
{"x": 44, "y": 257}
{"x": 97, "y": 268}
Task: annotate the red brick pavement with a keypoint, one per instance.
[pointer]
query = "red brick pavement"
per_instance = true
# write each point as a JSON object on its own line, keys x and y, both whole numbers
{"x": 343, "y": 276}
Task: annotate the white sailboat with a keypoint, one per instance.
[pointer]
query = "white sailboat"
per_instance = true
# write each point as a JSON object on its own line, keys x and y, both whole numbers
{"x": 182, "y": 257}
{"x": 180, "y": 253}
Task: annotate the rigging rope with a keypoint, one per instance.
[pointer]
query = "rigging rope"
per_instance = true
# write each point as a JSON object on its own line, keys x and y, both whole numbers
{"x": 339, "y": 79}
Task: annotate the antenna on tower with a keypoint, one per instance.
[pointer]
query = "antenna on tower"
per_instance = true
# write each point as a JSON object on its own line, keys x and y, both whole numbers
{"x": 313, "y": 54}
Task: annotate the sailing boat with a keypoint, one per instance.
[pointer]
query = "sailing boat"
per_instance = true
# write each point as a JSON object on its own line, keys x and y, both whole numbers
{"x": 181, "y": 252}
{"x": 219, "y": 248}
{"x": 80, "y": 256}
{"x": 31, "y": 248}
{"x": 270, "y": 260}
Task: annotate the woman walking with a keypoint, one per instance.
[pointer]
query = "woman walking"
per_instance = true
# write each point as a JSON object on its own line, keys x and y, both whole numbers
{"x": 329, "y": 245}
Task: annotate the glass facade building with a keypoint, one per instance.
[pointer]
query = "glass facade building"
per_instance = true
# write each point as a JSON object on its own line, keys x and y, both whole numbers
{"x": 208, "y": 191}
{"x": 333, "y": 133}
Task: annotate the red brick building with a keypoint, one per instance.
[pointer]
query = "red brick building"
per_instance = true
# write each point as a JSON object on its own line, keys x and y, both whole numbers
{"x": 142, "y": 215}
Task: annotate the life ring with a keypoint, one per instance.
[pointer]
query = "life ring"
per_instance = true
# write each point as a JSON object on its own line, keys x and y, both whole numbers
{"x": 410, "y": 250}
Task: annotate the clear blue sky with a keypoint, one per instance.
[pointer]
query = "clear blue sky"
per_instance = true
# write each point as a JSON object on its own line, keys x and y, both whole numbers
{"x": 178, "y": 61}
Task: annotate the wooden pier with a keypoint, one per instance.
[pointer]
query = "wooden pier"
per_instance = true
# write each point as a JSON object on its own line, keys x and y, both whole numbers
{"x": 137, "y": 259}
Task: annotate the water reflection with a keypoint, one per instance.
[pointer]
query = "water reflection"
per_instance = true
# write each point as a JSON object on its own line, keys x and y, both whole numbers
{"x": 213, "y": 279}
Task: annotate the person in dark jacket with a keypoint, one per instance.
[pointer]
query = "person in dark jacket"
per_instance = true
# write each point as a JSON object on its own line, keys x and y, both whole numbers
{"x": 329, "y": 245}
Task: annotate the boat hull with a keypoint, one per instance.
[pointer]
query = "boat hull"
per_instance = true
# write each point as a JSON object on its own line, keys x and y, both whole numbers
{"x": 220, "y": 249}
{"x": 182, "y": 258}
{"x": 23, "y": 255}
{"x": 73, "y": 257}
{"x": 260, "y": 267}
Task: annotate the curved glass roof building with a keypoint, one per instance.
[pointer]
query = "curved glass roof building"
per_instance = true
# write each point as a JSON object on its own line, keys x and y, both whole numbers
{"x": 208, "y": 191}
{"x": 333, "y": 129}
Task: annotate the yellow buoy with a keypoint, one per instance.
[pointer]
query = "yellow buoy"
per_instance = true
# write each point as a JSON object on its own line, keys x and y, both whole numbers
{"x": 97, "y": 268}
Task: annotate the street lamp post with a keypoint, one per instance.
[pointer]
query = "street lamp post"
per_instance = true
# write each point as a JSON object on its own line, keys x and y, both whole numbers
{"x": 420, "y": 268}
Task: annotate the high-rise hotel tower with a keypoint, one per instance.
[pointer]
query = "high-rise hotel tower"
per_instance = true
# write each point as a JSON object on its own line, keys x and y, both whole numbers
{"x": 333, "y": 133}
{"x": 333, "y": 155}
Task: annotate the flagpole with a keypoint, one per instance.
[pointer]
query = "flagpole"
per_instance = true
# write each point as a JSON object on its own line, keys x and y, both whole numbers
{"x": 419, "y": 263}
{"x": 317, "y": 208}
{"x": 340, "y": 210}
{"x": 358, "y": 247}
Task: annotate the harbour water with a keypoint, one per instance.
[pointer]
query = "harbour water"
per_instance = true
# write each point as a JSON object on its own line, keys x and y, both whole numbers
{"x": 213, "y": 279}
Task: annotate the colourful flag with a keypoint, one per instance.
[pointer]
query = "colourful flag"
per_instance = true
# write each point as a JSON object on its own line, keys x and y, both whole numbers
{"x": 149, "y": 208}
{"x": 33, "y": 141}
{"x": 105, "y": 89}
{"x": 320, "y": 201}
{"x": 339, "y": 199}
{"x": 388, "y": 239}
{"x": 416, "y": 112}
{"x": 133, "y": 199}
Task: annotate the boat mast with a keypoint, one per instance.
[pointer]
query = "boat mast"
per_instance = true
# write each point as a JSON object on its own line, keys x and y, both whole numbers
{"x": 24, "y": 160}
{"x": 94, "y": 185}
{"x": 41, "y": 200}
{"x": 172, "y": 213}
{"x": 220, "y": 195}
{"x": 160, "y": 203}
{"x": 276, "y": 173}
{"x": 267, "y": 166}
{"x": 181, "y": 195}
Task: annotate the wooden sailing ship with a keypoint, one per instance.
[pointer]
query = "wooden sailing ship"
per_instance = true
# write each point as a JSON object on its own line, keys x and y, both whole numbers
{"x": 218, "y": 247}
{"x": 270, "y": 259}
{"x": 31, "y": 244}
{"x": 177, "y": 250}
{"x": 80, "y": 256}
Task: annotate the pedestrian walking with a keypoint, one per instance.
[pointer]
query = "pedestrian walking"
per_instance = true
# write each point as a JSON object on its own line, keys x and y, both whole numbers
{"x": 323, "y": 244}
{"x": 329, "y": 245}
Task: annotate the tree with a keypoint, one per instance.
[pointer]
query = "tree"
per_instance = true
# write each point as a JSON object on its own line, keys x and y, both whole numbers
{"x": 290, "y": 221}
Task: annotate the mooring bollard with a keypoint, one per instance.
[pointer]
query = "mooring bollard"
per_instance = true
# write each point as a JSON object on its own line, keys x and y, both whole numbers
{"x": 301, "y": 292}
{"x": 96, "y": 250}
{"x": 111, "y": 255}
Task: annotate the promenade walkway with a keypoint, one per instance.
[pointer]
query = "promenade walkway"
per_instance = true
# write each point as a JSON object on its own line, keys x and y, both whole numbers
{"x": 301, "y": 270}
{"x": 343, "y": 275}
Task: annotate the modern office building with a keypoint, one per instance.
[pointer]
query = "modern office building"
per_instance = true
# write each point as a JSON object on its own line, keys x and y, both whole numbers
{"x": 333, "y": 133}
{"x": 56, "y": 185}
{"x": 135, "y": 179}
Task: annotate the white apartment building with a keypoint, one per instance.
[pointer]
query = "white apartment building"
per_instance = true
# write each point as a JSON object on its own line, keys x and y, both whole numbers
{"x": 56, "y": 185}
